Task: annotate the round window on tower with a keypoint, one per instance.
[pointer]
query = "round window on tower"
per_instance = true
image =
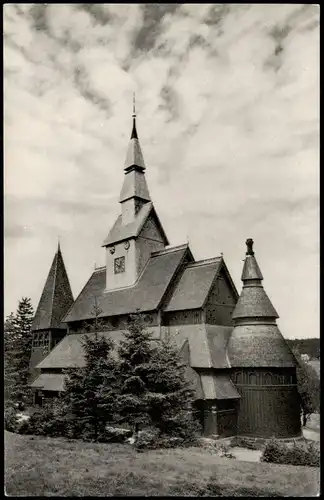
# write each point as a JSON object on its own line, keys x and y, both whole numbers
{"x": 126, "y": 245}
{"x": 112, "y": 249}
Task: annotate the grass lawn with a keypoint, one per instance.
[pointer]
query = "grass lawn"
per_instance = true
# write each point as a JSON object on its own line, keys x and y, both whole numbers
{"x": 37, "y": 466}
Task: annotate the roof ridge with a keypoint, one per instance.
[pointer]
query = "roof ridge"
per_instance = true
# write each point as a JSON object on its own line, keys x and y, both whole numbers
{"x": 169, "y": 250}
{"x": 203, "y": 262}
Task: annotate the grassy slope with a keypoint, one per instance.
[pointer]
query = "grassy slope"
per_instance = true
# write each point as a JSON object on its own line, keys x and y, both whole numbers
{"x": 38, "y": 466}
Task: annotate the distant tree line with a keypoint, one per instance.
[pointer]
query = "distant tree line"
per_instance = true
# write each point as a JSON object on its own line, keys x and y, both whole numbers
{"x": 306, "y": 346}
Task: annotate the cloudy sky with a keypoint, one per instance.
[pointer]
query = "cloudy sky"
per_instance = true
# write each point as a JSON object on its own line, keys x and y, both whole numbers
{"x": 228, "y": 120}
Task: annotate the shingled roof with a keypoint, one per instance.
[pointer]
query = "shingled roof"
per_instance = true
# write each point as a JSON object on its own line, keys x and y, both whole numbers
{"x": 121, "y": 232}
{"x": 145, "y": 295}
{"x": 253, "y": 301}
{"x": 134, "y": 156}
{"x": 259, "y": 346}
{"x": 218, "y": 386}
{"x": 56, "y": 298}
{"x": 134, "y": 186}
{"x": 256, "y": 340}
{"x": 69, "y": 352}
{"x": 207, "y": 343}
{"x": 194, "y": 285}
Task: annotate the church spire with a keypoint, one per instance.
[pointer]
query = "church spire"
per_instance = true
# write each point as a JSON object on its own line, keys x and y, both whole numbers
{"x": 56, "y": 297}
{"x": 253, "y": 301}
{"x": 134, "y": 131}
{"x": 251, "y": 270}
{"x": 134, "y": 156}
{"x": 256, "y": 340}
{"x": 134, "y": 191}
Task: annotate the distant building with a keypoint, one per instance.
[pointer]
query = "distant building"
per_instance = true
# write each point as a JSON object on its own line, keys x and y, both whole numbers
{"x": 243, "y": 371}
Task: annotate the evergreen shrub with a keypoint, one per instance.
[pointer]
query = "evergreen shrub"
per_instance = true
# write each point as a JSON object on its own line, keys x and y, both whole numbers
{"x": 301, "y": 453}
{"x": 47, "y": 420}
{"x": 11, "y": 423}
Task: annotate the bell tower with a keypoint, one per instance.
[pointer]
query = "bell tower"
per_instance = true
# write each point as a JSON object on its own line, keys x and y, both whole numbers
{"x": 137, "y": 231}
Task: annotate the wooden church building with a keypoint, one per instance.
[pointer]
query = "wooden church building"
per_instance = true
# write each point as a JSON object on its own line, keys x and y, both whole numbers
{"x": 243, "y": 370}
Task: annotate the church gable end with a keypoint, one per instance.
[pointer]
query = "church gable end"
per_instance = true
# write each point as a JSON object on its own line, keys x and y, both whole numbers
{"x": 150, "y": 240}
{"x": 221, "y": 301}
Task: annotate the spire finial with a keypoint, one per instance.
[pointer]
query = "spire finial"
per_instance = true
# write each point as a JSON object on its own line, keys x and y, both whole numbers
{"x": 134, "y": 110}
{"x": 249, "y": 245}
{"x": 58, "y": 244}
{"x": 134, "y": 131}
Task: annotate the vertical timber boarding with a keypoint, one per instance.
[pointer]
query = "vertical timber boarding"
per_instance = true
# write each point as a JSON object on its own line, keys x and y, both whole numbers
{"x": 269, "y": 403}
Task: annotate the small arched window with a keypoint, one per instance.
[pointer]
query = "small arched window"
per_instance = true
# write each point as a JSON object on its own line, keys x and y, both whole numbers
{"x": 268, "y": 379}
{"x": 252, "y": 378}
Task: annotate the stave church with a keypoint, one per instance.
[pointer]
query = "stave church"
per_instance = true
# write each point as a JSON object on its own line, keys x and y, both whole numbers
{"x": 242, "y": 369}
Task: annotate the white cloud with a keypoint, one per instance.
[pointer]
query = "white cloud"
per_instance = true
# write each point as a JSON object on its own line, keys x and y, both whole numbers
{"x": 229, "y": 134}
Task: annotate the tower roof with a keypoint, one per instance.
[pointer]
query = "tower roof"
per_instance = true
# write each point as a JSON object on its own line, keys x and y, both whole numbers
{"x": 134, "y": 186}
{"x": 251, "y": 270}
{"x": 134, "y": 156}
{"x": 256, "y": 340}
{"x": 253, "y": 301}
{"x": 56, "y": 297}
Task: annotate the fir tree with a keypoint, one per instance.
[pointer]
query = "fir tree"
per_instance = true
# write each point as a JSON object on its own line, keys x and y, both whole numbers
{"x": 171, "y": 395}
{"x": 136, "y": 355}
{"x": 10, "y": 336}
{"x": 90, "y": 392}
{"x": 19, "y": 351}
{"x": 154, "y": 388}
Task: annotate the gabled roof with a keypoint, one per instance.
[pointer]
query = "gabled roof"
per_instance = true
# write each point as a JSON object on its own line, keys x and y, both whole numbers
{"x": 56, "y": 298}
{"x": 194, "y": 285}
{"x": 120, "y": 232}
{"x": 145, "y": 295}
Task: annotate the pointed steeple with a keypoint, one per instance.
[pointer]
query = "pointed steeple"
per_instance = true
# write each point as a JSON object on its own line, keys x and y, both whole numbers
{"x": 134, "y": 156}
{"x": 253, "y": 301}
{"x": 251, "y": 270}
{"x": 134, "y": 131}
{"x": 134, "y": 191}
{"x": 256, "y": 340}
{"x": 56, "y": 297}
